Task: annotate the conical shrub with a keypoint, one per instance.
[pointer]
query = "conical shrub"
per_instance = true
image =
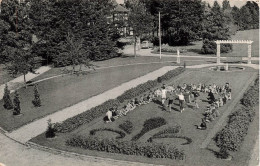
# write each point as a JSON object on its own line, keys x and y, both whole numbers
{"x": 7, "y": 99}
{"x": 17, "y": 108}
{"x": 37, "y": 101}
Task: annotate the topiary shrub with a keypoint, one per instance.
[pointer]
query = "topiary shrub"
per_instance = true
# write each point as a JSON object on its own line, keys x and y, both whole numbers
{"x": 37, "y": 101}
{"x": 150, "y": 150}
{"x": 169, "y": 130}
{"x": 50, "y": 133}
{"x": 150, "y": 124}
{"x": 121, "y": 134}
{"x": 17, "y": 108}
{"x": 127, "y": 126}
{"x": 7, "y": 99}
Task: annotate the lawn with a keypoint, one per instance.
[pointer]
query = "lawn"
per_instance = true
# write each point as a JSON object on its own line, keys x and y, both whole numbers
{"x": 187, "y": 120}
{"x": 239, "y": 50}
{"x": 61, "y": 92}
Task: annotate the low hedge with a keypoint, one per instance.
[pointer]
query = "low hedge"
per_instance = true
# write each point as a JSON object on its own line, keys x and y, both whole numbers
{"x": 96, "y": 112}
{"x": 232, "y": 135}
{"x": 121, "y": 134}
{"x": 127, "y": 126}
{"x": 150, "y": 124}
{"x": 150, "y": 150}
{"x": 169, "y": 130}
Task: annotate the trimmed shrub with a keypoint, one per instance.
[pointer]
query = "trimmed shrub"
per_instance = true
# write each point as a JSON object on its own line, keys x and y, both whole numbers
{"x": 7, "y": 99}
{"x": 127, "y": 126}
{"x": 150, "y": 124}
{"x": 50, "y": 133}
{"x": 189, "y": 140}
{"x": 232, "y": 135}
{"x": 150, "y": 150}
{"x": 169, "y": 130}
{"x": 121, "y": 134}
{"x": 210, "y": 47}
{"x": 37, "y": 101}
{"x": 96, "y": 112}
{"x": 17, "y": 108}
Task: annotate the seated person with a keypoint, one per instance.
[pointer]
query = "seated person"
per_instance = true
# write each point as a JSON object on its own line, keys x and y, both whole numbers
{"x": 206, "y": 89}
{"x": 199, "y": 87}
{"x": 194, "y": 87}
{"x": 115, "y": 114}
{"x": 121, "y": 111}
{"x": 151, "y": 96}
{"x": 146, "y": 99}
{"x": 216, "y": 103}
{"x": 203, "y": 86}
{"x": 109, "y": 116}
{"x": 209, "y": 118}
{"x": 203, "y": 125}
{"x": 137, "y": 102}
{"x": 141, "y": 100}
{"x": 220, "y": 102}
{"x": 184, "y": 86}
{"x": 157, "y": 92}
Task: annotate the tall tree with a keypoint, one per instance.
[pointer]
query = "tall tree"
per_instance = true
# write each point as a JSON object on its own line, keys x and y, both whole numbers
{"x": 137, "y": 17}
{"x": 215, "y": 28}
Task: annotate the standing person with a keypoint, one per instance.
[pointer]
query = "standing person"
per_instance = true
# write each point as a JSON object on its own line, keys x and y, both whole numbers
{"x": 164, "y": 91}
{"x": 196, "y": 95}
{"x": 186, "y": 95}
{"x": 108, "y": 117}
{"x": 181, "y": 101}
{"x": 170, "y": 102}
{"x": 211, "y": 97}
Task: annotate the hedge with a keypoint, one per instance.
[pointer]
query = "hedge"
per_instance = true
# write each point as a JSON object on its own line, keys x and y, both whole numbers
{"x": 150, "y": 150}
{"x": 127, "y": 126}
{"x": 150, "y": 124}
{"x": 121, "y": 134}
{"x": 233, "y": 134}
{"x": 96, "y": 112}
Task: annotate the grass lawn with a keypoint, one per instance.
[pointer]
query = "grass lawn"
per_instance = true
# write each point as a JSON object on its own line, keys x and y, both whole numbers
{"x": 4, "y": 75}
{"x": 61, "y": 92}
{"x": 239, "y": 50}
{"x": 187, "y": 120}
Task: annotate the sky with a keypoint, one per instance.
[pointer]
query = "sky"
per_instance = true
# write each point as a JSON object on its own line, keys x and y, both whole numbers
{"x": 238, "y": 3}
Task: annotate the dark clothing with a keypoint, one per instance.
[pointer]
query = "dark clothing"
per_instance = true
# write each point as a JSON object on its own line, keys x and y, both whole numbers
{"x": 170, "y": 102}
{"x": 211, "y": 97}
{"x": 203, "y": 126}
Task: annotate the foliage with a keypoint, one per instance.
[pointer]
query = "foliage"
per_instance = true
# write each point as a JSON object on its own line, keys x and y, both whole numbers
{"x": 96, "y": 112}
{"x": 7, "y": 98}
{"x": 150, "y": 150}
{"x": 17, "y": 108}
{"x": 121, "y": 134}
{"x": 37, "y": 101}
{"x": 150, "y": 124}
{"x": 189, "y": 140}
{"x": 169, "y": 130}
{"x": 232, "y": 135}
{"x": 167, "y": 48}
{"x": 127, "y": 126}
{"x": 215, "y": 28}
{"x": 50, "y": 133}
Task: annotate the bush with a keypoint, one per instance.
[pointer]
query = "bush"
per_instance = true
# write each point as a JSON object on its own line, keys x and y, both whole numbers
{"x": 17, "y": 108}
{"x": 232, "y": 135}
{"x": 96, "y": 112}
{"x": 50, "y": 133}
{"x": 37, "y": 101}
{"x": 127, "y": 126}
{"x": 169, "y": 130}
{"x": 189, "y": 140}
{"x": 170, "y": 49}
{"x": 210, "y": 47}
{"x": 7, "y": 99}
{"x": 150, "y": 124}
{"x": 121, "y": 134}
{"x": 150, "y": 150}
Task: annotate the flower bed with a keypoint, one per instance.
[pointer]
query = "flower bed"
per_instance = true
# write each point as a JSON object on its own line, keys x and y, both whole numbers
{"x": 170, "y": 132}
{"x": 150, "y": 124}
{"x": 232, "y": 135}
{"x": 127, "y": 126}
{"x": 150, "y": 150}
{"x": 121, "y": 134}
{"x": 96, "y": 112}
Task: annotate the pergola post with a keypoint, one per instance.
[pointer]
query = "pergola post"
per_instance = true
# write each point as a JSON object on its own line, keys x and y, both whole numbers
{"x": 249, "y": 54}
{"x": 218, "y": 53}
{"x": 178, "y": 57}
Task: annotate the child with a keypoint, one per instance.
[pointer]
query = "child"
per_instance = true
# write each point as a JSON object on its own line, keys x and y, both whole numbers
{"x": 203, "y": 125}
{"x": 220, "y": 102}
{"x": 203, "y": 88}
{"x": 170, "y": 102}
{"x": 196, "y": 95}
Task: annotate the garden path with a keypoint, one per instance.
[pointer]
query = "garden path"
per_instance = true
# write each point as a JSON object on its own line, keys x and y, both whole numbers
{"x": 18, "y": 82}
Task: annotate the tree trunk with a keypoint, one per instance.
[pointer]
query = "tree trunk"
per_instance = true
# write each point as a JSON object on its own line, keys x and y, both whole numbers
{"x": 24, "y": 79}
{"x": 135, "y": 45}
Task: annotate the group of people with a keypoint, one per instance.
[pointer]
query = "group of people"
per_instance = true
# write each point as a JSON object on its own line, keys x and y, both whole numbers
{"x": 187, "y": 93}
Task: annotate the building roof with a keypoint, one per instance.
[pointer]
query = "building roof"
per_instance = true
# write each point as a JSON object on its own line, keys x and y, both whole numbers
{"x": 120, "y": 8}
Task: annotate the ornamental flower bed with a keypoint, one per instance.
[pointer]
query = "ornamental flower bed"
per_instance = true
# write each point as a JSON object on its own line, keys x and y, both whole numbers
{"x": 127, "y": 126}
{"x": 150, "y": 150}
{"x": 150, "y": 124}
{"x": 96, "y": 112}
{"x": 233, "y": 134}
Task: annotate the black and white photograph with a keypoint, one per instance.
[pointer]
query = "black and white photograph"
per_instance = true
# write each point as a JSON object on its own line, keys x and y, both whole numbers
{"x": 129, "y": 83}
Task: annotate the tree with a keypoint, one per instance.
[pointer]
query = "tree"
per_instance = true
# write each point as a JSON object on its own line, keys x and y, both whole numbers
{"x": 137, "y": 17}
{"x": 7, "y": 99}
{"x": 37, "y": 101}
{"x": 226, "y": 5}
{"x": 215, "y": 28}
{"x": 17, "y": 108}
{"x": 50, "y": 133}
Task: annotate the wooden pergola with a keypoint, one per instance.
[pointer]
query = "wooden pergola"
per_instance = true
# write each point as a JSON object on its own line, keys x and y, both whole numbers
{"x": 248, "y": 42}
